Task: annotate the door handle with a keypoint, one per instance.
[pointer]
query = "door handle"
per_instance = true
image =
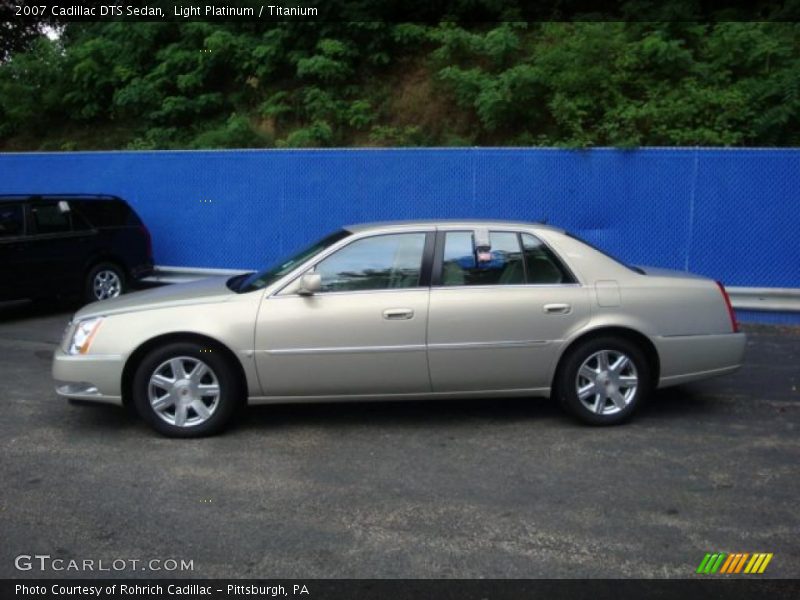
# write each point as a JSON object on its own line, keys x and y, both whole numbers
{"x": 557, "y": 309}
{"x": 397, "y": 314}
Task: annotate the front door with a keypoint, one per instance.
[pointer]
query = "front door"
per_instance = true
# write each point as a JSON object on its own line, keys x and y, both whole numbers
{"x": 362, "y": 333}
{"x": 497, "y": 314}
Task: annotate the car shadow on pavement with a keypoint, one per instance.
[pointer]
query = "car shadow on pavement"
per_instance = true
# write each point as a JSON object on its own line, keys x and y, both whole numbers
{"x": 673, "y": 403}
{"x": 27, "y": 309}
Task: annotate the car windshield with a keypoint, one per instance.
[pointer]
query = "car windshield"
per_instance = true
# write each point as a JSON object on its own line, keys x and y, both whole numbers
{"x": 257, "y": 281}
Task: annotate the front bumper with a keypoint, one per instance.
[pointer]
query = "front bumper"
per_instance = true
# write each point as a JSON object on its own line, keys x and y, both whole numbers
{"x": 95, "y": 377}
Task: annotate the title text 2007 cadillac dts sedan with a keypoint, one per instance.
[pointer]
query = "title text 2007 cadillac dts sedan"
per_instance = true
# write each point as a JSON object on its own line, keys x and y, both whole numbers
{"x": 405, "y": 311}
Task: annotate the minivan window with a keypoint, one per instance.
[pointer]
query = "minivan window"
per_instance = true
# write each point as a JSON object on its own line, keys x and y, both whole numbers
{"x": 48, "y": 218}
{"x": 106, "y": 213}
{"x": 12, "y": 220}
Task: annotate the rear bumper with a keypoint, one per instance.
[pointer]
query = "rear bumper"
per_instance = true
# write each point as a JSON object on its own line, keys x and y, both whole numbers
{"x": 88, "y": 377}
{"x": 141, "y": 271}
{"x": 694, "y": 357}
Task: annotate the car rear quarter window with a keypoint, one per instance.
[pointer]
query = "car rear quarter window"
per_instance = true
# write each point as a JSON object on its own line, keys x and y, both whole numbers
{"x": 106, "y": 213}
{"x": 12, "y": 220}
{"x": 541, "y": 265}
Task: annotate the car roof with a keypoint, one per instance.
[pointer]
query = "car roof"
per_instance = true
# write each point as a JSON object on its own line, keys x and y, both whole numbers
{"x": 467, "y": 223}
{"x": 18, "y": 197}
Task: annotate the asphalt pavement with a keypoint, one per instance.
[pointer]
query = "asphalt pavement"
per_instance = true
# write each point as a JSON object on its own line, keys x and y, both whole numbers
{"x": 472, "y": 489}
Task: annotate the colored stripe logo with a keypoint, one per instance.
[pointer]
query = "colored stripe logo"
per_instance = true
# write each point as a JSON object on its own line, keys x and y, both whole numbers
{"x": 737, "y": 562}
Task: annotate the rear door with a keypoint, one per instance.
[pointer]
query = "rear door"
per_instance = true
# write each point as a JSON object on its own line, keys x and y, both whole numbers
{"x": 498, "y": 315}
{"x": 58, "y": 247}
{"x": 14, "y": 272}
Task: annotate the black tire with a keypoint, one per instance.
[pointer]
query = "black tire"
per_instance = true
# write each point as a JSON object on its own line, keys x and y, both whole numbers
{"x": 566, "y": 384}
{"x": 228, "y": 381}
{"x": 91, "y": 293}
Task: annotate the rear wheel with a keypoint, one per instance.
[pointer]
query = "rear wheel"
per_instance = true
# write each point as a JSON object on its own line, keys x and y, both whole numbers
{"x": 105, "y": 280}
{"x": 186, "y": 390}
{"x": 603, "y": 381}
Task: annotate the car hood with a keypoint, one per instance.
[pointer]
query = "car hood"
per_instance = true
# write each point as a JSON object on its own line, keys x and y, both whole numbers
{"x": 203, "y": 291}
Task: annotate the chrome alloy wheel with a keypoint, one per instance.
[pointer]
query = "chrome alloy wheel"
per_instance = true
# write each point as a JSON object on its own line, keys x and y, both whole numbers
{"x": 106, "y": 284}
{"x": 183, "y": 391}
{"x": 607, "y": 382}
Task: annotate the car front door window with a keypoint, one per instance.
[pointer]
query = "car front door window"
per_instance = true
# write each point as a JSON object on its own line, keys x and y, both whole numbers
{"x": 383, "y": 262}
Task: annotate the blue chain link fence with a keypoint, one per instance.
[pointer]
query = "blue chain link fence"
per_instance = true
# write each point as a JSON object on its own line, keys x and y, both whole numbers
{"x": 730, "y": 214}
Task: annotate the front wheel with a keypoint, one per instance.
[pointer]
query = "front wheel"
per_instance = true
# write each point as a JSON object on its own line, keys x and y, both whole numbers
{"x": 604, "y": 380}
{"x": 186, "y": 390}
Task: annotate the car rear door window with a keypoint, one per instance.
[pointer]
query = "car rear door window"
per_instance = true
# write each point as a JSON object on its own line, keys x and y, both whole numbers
{"x": 376, "y": 263}
{"x": 502, "y": 266}
{"x": 12, "y": 220}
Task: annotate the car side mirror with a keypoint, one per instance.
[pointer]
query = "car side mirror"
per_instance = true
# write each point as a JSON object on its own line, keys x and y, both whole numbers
{"x": 310, "y": 284}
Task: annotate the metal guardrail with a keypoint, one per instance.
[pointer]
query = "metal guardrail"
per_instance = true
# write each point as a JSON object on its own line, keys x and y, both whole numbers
{"x": 169, "y": 274}
{"x": 743, "y": 298}
{"x": 766, "y": 299}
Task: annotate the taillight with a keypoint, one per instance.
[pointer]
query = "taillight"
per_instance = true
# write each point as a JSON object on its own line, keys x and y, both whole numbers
{"x": 148, "y": 240}
{"x": 731, "y": 314}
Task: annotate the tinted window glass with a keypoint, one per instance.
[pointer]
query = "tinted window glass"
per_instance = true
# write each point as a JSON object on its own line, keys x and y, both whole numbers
{"x": 48, "y": 218}
{"x": 541, "y": 264}
{"x": 11, "y": 220}
{"x": 502, "y": 266}
{"x": 105, "y": 213}
{"x": 376, "y": 263}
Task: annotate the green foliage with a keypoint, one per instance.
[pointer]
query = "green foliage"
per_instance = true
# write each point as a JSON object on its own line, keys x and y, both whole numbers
{"x": 319, "y": 133}
{"x": 578, "y": 84}
{"x": 410, "y": 135}
{"x": 236, "y": 132}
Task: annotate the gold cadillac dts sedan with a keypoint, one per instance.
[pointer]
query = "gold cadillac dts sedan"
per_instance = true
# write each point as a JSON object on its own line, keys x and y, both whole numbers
{"x": 405, "y": 310}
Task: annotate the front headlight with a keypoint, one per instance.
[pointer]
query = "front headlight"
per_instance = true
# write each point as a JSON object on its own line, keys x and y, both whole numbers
{"x": 83, "y": 335}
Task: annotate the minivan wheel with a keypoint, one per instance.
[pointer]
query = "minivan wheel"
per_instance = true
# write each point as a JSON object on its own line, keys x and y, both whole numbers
{"x": 104, "y": 281}
{"x": 603, "y": 381}
{"x": 186, "y": 390}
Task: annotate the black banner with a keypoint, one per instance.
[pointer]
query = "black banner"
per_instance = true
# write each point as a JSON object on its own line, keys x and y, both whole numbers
{"x": 733, "y": 588}
{"x": 432, "y": 11}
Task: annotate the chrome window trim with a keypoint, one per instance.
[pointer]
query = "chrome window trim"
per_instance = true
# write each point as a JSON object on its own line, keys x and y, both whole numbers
{"x": 274, "y": 291}
{"x": 505, "y": 286}
{"x": 392, "y": 290}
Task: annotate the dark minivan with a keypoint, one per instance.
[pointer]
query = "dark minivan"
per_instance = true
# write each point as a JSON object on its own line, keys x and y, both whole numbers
{"x": 69, "y": 245}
